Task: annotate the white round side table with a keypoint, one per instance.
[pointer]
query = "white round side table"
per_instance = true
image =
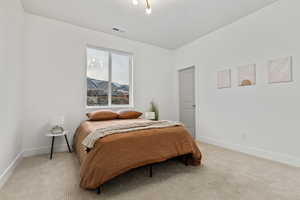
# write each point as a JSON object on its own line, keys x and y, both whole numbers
{"x": 65, "y": 134}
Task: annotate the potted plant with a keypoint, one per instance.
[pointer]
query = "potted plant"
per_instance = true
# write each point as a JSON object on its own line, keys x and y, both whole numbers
{"x": 154, "y": 109}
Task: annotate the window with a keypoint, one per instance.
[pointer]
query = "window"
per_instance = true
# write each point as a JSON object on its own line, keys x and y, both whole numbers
{"x": 109, "y": 79}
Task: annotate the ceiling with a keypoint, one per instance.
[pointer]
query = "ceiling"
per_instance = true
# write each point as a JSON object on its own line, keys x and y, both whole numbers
{"x": 172, "y": 23}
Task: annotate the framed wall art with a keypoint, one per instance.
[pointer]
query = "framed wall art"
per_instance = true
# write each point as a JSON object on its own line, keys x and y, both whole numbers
{"x": 224, "y": 79}
{"x": 247, "y": 75}
{"x": 280, "y": 70}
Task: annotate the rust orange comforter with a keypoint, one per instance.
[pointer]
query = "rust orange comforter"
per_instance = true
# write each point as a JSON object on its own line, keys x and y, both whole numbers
{"x": 115, "y": 154}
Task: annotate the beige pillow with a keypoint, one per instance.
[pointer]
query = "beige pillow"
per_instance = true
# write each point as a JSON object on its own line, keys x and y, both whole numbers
{"x": 129, "y": 114}
{"x": 102, "y": 115}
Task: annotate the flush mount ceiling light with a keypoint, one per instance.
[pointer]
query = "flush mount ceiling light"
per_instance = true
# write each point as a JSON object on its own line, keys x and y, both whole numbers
{"x": 148, "y": 7}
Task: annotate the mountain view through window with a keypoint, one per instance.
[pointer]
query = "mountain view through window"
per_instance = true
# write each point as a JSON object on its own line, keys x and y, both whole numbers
{"x": 108, "y": 78}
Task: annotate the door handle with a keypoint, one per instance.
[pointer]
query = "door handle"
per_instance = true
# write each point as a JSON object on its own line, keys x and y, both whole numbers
{"x": 194, "y": 106}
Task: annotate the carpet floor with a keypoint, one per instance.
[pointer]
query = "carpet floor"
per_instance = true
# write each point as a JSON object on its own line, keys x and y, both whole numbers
{"x": 224, "y": 175}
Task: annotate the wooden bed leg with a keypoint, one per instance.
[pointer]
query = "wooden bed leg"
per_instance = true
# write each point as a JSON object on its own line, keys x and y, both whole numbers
{"x": 99, "y": 190}
{"x": 150, "y": 171}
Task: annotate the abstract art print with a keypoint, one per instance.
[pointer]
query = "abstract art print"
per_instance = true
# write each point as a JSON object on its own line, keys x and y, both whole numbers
{"x": 247, "y": 75}
{"x": 280, "y": 70}
{"x": 224, "y": 79}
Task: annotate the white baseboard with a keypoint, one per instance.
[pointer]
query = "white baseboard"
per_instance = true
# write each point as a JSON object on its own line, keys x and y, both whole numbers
{"x": 8, "y": 172}
{"x": 26, "y": 153}
{"x": 44, "y": 150}
{"x": 278, "y": 157}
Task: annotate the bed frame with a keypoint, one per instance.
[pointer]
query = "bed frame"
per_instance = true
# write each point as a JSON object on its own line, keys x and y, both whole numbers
{"x": 184, "y": 158}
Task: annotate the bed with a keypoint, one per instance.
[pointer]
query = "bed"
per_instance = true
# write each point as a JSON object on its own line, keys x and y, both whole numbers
{"x": 117, "y": 153}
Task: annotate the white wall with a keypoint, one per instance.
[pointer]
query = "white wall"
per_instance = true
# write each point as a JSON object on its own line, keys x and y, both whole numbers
{"x": 11, "y": 31}
{"x": 263, "y": 119}
{"x": 55, "y": 75}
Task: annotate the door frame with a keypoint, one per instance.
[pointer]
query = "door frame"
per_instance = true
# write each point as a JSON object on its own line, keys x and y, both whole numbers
{"x": 196, "y": 94}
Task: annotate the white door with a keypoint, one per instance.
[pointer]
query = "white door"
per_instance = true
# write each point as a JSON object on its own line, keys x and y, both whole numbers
{"x": 187, "y": 98}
